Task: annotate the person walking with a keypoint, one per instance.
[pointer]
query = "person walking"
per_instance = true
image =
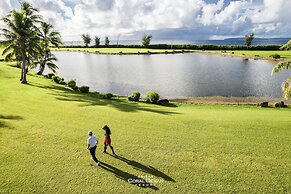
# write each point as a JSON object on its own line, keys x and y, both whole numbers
{"x": 92, "y": 145}
{"x": 107, "y": 139}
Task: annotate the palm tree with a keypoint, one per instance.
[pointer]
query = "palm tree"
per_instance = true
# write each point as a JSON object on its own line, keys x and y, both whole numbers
{"x": 286, "y": 86}
{"x": 48, "y": 37}
{"x": 47, "y": 59}
{"x": 20, "y": 35}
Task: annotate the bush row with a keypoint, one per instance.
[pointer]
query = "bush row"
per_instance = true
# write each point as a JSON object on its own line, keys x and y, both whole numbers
{"x": 151, "y": 97}
{"x": 72, "y": 84}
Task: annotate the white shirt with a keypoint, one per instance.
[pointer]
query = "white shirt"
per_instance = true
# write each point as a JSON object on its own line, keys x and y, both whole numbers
{"x": 92, "y": 140}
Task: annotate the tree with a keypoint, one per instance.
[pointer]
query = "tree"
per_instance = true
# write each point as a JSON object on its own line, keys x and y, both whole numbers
{"x": 107, "y": 41}
{"x": 146, "y": 40}
{"x": 97, "y": 41}
{"x": 86, "y": 39}
{"x": 48, "y": 37}
{"x": 48, "y": 60}
{"x": 21, "y": 40}
{"x": 286, "y": 86}
{"x": 249, "y": 39}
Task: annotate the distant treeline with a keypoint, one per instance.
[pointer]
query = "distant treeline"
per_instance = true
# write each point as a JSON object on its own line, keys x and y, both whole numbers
{"x": 189, "y": 47}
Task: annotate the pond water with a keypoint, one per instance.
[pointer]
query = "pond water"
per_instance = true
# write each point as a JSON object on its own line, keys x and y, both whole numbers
{"x": 172, "y": 75}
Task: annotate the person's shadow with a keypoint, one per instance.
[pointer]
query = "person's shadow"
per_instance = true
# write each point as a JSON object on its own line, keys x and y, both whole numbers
{"x": 148, "y": 169}
{"x": 127, "y": 177}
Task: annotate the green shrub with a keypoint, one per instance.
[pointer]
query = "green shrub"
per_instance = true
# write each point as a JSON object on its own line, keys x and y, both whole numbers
{"x": 75, "y": 88}
{"x": 84, "y": 89}
{"x": 62, "y": 82}
{"x": 50, "y": 75}
{"x": 72, "y": 83}
{"x": 275, "y": 56}
{"x": 56, "y": 79}
{"x": 134, "y": 96}
{"x": 107, "y": 96}
{"x": 152, "y": 97}
{"x": 164, "y": 102}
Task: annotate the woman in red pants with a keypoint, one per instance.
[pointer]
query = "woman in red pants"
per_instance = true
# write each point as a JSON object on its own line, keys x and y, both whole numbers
{"x": 107, "y": 139}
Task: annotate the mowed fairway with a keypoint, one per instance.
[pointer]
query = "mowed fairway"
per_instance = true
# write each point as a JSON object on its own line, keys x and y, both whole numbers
{"x": 188, "y": 148}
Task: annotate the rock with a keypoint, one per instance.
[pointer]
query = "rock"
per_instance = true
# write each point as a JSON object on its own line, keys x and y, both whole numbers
{"x": 164, "y": 102}
{"x": 280, "y": 105}
{"x": 263, "y": 104}
{"x": 277, "y": 105}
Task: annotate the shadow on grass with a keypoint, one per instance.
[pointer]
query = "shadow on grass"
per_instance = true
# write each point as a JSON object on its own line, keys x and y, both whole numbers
{"x": 127, "y": 177}
{"x": 3, "y": 124}
{"x": 95, "y": 99}
{"x": 147, "y": 169}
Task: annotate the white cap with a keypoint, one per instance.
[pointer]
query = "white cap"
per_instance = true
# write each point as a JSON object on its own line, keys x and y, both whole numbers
{"x": 90, "y": 132}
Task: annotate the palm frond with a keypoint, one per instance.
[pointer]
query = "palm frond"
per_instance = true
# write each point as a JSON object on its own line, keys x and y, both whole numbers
{"x": 281, "y": 66}
{"x": 286, "y": 88}
{"x": 286, "y": 46}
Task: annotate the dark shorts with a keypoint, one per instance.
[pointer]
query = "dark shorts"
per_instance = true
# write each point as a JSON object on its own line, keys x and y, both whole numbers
{"x": 107, "y": 141}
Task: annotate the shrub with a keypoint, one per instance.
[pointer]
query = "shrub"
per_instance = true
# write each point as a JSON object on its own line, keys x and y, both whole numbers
{"x": 56, "y": 79}
{"x": 153, "y": 97}
{"x": 84, "y": 89}
{"x": 75, "y": 88}
{"x": 275, "y": 56}
{"x": 134, "y": 96}
{"x": 50, "y": 75}
{"x": 62, "y": 82}
{"x": 107, "y": 96}
{"x": 72, "y": 83}
{"x": 164, "y": 102}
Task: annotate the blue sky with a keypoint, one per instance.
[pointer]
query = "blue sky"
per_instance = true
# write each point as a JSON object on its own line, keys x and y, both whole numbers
{"x": 165, "y": 19}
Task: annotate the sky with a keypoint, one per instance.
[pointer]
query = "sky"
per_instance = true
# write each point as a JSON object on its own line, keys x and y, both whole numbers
{"x": 164, "y": 19}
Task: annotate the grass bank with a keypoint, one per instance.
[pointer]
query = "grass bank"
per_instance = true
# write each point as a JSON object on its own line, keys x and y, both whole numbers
{"x": 120, "y": 50}
{"x": 242, "y": 53}
{"x": 188, "y": 148}
{"x": 256, "y": 54}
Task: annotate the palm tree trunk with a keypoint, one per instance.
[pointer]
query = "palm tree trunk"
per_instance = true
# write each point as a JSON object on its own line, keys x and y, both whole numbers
{"x": 41, "y": 69}
{"x": 21, "y": 76}
{"x": 23, "y": 71}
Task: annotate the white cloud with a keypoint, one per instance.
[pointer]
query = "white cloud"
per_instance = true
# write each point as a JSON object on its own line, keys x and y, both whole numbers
{"x": 223, "y": 18}
{"x": 5, "y": 6}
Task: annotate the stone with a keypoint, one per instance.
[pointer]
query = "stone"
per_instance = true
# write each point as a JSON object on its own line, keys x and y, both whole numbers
{"x": 263, "y": 104}
{"x": 164, "y": 102}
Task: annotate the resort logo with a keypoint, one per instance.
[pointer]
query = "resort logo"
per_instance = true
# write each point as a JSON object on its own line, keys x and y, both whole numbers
{"x": 144, "y": 181}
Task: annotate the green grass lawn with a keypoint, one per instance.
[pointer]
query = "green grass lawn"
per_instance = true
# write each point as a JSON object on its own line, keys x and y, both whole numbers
{"x": 265, "y": 54}
{"x": 115, "y": 50}
{"x": 190, "y": 148}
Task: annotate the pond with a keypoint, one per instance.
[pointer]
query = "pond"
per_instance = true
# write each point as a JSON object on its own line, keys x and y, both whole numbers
{"x": 172, "y": 75}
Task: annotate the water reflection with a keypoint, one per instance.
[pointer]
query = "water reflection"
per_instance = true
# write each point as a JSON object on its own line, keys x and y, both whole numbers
{"x": 179, "y": 75}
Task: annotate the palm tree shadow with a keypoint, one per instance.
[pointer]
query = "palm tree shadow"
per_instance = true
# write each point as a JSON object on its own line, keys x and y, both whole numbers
{"x": 3, "y": 124}
{"x": 127, "y": 177}
{"x": 147, "y": 169}
{"x": 95, "y": 99}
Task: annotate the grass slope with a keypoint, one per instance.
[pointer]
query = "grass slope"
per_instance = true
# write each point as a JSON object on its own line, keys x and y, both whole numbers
{"x": 191, "y": 148}
{"x": 264, "y": 54}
